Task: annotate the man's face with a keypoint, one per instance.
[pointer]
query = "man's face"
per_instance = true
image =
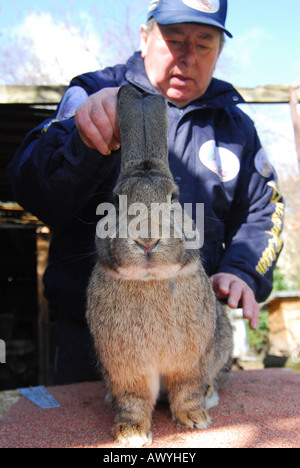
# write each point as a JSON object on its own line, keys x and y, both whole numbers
{"x": 180, "y": 59}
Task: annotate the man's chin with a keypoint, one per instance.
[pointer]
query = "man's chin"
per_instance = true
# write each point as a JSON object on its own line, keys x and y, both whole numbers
{"x": 181, "y": 98}
{"x": 180, "y": 101}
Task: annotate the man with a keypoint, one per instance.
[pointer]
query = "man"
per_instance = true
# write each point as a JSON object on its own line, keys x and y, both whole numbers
{"x": 66, "y": 167}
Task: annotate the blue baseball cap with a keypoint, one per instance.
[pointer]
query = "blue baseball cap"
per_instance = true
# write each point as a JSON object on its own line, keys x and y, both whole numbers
{"x": 210, "y": 12}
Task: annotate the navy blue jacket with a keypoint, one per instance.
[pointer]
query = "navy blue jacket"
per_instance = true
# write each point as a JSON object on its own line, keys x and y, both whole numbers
{"x": 215, "y": 157}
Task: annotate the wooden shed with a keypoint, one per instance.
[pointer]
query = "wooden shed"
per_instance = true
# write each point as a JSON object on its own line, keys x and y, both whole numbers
{"x": 284, "y": 319}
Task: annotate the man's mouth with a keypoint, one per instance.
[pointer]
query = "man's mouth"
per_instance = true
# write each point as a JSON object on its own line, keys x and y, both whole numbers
{"x": 181, "y": 79}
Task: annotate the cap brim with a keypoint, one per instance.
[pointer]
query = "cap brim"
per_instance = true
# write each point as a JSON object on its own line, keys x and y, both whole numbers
{"x": 165, "y": 18}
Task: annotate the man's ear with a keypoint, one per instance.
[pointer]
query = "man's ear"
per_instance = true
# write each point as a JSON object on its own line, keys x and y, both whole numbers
{"x": 143, "y": 40}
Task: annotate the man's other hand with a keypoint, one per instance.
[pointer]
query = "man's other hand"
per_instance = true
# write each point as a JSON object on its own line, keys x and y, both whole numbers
{"x": 238, "y": 294}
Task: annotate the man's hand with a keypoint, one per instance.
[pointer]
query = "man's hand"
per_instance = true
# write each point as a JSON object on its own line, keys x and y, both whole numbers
{"x": 96, "y": 121}
{"x": 238, "y": 294}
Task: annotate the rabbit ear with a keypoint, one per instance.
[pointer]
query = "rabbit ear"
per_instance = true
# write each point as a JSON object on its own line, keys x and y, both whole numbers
{"x": 156, "y": 126}
{"x": 143, "y": 125}
{"x": 130, "y": 120}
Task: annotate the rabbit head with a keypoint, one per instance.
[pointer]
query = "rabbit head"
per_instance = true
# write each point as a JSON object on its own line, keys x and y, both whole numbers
{"x": 147, "y": 240}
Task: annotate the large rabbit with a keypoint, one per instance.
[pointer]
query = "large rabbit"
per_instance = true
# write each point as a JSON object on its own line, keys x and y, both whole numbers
{"x": 151, "y": 308}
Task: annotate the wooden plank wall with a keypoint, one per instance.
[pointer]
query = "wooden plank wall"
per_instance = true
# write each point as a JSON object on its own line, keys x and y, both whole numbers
{"x": 53, "y": 94}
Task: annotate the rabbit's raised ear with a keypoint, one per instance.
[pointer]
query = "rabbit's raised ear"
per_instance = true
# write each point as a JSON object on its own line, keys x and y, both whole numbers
{"x": 143, "y": 125}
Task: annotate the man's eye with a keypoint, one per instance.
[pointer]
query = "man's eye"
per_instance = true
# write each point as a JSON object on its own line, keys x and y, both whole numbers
{"x": 174, "y": 43}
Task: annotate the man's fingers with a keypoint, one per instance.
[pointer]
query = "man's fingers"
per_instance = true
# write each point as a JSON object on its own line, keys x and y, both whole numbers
{"x": 242, "y": 296}
{"x": 96, "y": 120}
{"x": 250, "y": 309}
{"x": 238, "y": 294}
{"x": 221, "y": 285}
{"x": 235, "y": 294}
{"x": 110, "y": 108}
{"x": 90, "y": 134}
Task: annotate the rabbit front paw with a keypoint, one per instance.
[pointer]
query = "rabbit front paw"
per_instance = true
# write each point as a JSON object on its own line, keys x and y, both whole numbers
{"x": 131, "y": 435}
{"x": 193, "y": 419}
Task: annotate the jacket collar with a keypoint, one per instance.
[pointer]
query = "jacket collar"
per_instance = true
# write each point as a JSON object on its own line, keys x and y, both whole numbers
{"x": 219, "y": 93}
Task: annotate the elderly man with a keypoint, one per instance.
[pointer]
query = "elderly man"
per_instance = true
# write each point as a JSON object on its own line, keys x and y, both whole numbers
{"x": 67, "y": 166}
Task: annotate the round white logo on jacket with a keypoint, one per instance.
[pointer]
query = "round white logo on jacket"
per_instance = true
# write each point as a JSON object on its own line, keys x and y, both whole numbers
{"x": 221, "y": 161}
{"x": 208, "y": 6}
{"x": 262, "y": 164}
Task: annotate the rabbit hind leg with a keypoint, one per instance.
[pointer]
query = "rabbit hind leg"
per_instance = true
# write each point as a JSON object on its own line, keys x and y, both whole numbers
{"x": 211, "y": 397}
{"x": 223, "y": 374}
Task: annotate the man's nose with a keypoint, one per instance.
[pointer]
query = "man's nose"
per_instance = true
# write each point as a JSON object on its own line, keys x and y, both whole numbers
{"x": 188, "y": 54}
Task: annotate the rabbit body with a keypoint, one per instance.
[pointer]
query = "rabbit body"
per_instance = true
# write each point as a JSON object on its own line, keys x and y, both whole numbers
{"x": 151, "y": 308}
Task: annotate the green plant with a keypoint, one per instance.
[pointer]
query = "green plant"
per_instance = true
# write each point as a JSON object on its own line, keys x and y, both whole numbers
{"x": 279, "y": 283}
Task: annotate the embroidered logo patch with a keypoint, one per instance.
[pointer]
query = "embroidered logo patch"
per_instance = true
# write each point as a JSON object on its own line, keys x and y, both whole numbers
{"x": 207, "y": 6}
{"x": 221, "y": 161}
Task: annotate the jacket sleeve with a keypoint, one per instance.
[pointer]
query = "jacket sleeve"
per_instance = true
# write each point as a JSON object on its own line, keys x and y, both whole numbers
{"x": 54, "y": 172}
{"x": 253, "y": 232}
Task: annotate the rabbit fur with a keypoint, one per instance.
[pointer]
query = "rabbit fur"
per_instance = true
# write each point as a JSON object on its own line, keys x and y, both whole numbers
{"x": 151, "y": 309}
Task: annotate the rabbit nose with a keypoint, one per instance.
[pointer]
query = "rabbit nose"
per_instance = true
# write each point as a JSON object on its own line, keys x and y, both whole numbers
{"x": 147, "y": 245}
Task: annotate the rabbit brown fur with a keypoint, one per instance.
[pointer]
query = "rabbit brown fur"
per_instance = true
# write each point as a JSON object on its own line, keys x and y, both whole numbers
{"x": 151, "y": 308}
